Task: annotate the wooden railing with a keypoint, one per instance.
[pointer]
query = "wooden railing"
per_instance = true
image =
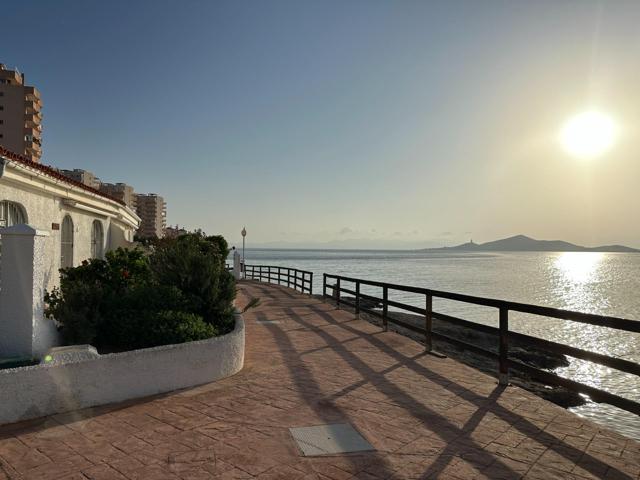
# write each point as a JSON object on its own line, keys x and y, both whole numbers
{"x": 504, "y": 335}
{"x": 300, "y": 280}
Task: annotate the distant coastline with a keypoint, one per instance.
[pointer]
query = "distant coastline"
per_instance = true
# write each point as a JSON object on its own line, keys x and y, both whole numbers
{"x": 522, "y": 243}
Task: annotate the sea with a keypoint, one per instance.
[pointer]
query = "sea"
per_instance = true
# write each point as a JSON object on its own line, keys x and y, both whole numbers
{"x": 592, "y": 282}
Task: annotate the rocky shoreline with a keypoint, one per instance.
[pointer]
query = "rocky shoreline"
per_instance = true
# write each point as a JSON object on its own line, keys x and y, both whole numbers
{"x": 527, "y": 354}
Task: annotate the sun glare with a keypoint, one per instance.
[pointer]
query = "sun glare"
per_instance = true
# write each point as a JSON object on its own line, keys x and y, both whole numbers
{"x": 588, "y": 134}
{"x": 579, "y": 267}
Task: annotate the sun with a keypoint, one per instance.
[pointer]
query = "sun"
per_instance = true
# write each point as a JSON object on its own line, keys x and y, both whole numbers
{"x": 588, "y": 134}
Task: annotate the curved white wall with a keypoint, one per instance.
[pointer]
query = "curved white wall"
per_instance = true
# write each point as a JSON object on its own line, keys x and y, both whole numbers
{"x": 36, "y": 391}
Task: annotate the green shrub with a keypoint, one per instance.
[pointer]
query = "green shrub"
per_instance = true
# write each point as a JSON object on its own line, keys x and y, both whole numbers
{"x": 130, "y": 316}
{"x": 195, "y": 264}
{"x": 177, "y": 327}
{"x": 181, "y": 292}
{"x": 89, "y": 293}
{"x": 149, "y": 328}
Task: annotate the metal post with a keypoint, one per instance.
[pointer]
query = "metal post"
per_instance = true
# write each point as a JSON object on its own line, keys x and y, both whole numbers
{"x": 428, "y": 323}
{"x": 385, "y": 308}
{"x": 278, "y": 275}
{"x": 337, "y": 292}
{"x": 244, "y": 234}
{"x": 503, "y": 375}
{"x": 311, "y": 283}
{"x": 357, "y": 299}
{"x": 324, "y": 285}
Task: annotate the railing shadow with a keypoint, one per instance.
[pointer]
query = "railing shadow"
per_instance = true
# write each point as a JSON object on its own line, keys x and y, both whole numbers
{"x": 304, "y": 380}
{"x": 591, "y": 464}
{"x": 447, "y": 430}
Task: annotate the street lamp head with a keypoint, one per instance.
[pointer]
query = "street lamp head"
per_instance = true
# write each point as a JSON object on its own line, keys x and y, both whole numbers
{"x": 244, "y": 232}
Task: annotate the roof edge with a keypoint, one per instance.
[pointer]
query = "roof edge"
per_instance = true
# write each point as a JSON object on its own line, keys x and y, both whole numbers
{"x": 50, "y": 171}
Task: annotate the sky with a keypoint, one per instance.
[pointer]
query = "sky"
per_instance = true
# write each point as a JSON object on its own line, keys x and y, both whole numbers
{"x": 344, "y": 124}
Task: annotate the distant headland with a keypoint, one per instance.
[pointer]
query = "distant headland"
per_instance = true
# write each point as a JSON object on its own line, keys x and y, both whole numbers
{"x": 522, "y": 243}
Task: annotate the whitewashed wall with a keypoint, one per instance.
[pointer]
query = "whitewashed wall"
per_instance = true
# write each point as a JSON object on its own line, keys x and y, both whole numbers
{"x": 43, "y": 210}
{"x": 31, "y": 392}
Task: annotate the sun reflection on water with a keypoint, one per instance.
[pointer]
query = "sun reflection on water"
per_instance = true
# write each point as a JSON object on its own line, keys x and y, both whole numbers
{"x": 579, "y": 267}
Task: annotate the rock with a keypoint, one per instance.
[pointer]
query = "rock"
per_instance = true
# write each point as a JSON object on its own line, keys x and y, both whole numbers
{"x": 71, "y": 353}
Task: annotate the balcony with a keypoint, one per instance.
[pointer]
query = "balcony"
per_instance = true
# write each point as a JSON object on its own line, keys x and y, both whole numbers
{"x": 33, "y": 121}
{"x": 31, "y": 133}
{"x": 32, "y": 108}
{"x": 32, "y": 94}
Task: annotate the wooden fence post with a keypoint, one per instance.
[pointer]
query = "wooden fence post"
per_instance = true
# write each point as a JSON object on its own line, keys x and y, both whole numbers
{"x": 385, "y": 308}
{"x": 428, "y": 323}
{"x": 503, "y": 374}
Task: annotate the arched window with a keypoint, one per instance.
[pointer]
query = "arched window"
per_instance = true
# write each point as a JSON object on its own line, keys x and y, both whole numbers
{"x": 97, "y": 239}
{"x": 11, "y": 213}
{"x": 66, "y": 243}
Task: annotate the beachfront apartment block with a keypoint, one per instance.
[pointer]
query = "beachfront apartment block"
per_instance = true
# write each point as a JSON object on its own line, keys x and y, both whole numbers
{"x": 152, "y": 210}
{"x": 84, "y": 177}
{"x": 20, "y": 115}
{"x": 123, "y": 192}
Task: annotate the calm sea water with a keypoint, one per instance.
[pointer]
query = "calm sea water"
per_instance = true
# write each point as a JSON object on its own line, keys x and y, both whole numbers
{"x": 601, "y": 283}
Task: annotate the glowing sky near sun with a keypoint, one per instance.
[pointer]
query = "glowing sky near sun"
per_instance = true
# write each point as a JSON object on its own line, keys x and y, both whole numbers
{"x": 363, "y": 124}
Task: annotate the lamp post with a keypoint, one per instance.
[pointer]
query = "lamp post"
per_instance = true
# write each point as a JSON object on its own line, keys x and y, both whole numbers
{"x": 244, "y": 234}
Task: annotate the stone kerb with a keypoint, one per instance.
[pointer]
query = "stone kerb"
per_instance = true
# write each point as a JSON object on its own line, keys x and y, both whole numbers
{"x": 35, "y": 391}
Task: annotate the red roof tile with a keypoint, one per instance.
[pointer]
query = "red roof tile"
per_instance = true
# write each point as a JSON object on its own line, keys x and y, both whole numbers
{"x": 52, "y": 172}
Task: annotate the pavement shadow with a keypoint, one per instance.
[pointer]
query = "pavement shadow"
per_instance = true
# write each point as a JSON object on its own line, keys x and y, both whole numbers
{"x": 310, "y": 389}
{"x": 446, "y": 430}
{"x": 588, "y": 462}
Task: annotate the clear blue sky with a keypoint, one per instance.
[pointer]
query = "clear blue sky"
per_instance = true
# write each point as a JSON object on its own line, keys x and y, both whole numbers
{"x": 359, "y": 123}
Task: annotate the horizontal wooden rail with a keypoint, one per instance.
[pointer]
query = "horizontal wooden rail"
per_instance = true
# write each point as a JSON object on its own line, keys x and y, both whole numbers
{"x": 300, "y": 280}
{"x": 379, "y": 307}
{"x": 588, "y": 318}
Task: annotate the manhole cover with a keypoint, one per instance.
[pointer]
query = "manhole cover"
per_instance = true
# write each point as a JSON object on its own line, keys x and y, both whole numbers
{"x": 328, "y": 439}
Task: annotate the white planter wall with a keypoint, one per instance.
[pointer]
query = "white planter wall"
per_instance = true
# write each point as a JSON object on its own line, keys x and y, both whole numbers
{"x": 31, "y": 392}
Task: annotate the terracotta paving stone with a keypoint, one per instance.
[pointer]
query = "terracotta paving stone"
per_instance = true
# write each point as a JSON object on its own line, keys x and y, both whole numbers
{"x": 103, "y": 472}
{"x": 426, "y": 417}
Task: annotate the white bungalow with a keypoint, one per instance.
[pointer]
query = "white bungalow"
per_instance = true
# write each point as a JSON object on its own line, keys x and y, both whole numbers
{"x": 47, "y": 222}
{"x": 82, "y": 221}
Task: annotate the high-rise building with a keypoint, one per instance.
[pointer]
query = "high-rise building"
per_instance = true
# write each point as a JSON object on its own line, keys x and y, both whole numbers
{"x": 152, "y": 210}
{"x": 174, "y": 232}
{"x": 121, "y": 191}
{"x": 83, "y": 176}
{"x": 20, "y": 117}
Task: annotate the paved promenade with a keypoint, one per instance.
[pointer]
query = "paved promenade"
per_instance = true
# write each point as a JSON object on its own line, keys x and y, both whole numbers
{"x": 310, "y": 364}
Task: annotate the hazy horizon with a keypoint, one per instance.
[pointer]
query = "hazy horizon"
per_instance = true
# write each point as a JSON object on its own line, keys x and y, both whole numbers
{"x": 375, "y": 124}
{"x": 367, "y": 244}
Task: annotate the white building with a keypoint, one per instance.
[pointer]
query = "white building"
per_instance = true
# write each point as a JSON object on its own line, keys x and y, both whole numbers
{"x": 83, "y": 222}
{"x": 76, "y": 221}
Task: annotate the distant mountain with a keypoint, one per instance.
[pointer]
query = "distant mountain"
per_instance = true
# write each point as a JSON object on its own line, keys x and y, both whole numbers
{"x": 522, "y": 243}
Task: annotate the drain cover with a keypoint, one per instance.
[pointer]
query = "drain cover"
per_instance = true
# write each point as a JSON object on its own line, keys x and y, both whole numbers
{"x": 328, "y": 439}
{"x": 263, "y": 322}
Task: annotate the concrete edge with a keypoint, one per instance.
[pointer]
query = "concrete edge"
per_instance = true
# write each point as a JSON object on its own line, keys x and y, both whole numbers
{"x": 40, "y": 390}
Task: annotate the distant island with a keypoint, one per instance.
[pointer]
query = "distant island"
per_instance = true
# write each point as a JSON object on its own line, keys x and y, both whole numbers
{"x": 522, "y": 243}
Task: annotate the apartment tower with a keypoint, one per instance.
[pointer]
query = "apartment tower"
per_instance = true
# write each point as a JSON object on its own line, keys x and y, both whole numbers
{"x": 122, "y": 192}
{"x": 20, "y": 117}
{"x": 83, "y": 176}
{"x": 152, "y": 210}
